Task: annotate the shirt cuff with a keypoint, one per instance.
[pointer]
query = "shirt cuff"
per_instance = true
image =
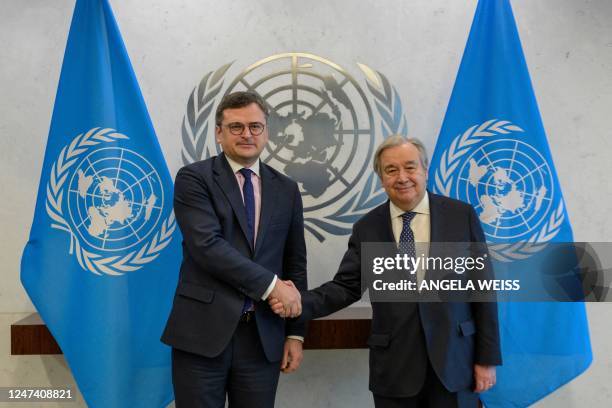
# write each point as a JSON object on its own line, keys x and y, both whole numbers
{"x": 299, "y": 338}
{"x": 270, "y": 288}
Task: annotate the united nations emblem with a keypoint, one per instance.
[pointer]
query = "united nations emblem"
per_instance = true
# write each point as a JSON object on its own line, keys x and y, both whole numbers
{"x": 322, "y": 131}
{"x": 510, "y": 185}
{"x": 110, "y": 200}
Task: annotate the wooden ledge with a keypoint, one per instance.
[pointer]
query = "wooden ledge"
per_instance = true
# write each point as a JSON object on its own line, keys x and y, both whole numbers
{"x": 346, "y": 330}
{"x": 337, "y": 334}
{"x": 31, "y": 336}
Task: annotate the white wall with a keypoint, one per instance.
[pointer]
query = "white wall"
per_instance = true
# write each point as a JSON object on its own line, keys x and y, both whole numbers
{"x": 416, "y": 44}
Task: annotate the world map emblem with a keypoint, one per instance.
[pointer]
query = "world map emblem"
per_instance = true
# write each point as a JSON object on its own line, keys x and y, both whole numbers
{"x": 111, "y": 201}
{"x": 509, "y": 183}
{"x": 114, "y": 199}
{"x": 322, "y": 131}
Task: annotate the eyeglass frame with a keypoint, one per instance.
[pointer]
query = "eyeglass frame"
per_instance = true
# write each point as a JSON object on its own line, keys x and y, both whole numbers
{"x": 244, "y": 127}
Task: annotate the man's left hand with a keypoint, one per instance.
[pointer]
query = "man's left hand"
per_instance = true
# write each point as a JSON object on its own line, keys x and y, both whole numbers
{"x": 292, "y": 356}
{"x": 484, "y": 377}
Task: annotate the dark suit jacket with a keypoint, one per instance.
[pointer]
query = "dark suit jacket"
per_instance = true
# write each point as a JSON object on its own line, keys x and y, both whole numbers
{"x": 219, "y": 266}
{"x": 453, "y": 336}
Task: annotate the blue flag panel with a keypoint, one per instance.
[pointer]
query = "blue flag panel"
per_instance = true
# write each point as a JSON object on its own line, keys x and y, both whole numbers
{"x": 492, "y": 152}
{"x": 102, "y": 260}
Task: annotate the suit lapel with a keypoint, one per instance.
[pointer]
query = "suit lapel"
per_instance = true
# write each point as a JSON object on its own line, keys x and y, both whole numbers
{"x": 268, "y": 193}
{"x": 226, "y": 180}
{"x": 384, "y": 214}
{"x": 436, "y": 218}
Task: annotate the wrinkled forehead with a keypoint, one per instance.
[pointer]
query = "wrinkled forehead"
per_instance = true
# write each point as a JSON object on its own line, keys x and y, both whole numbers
{"x": 401, "y": 155}
{"x": 401, "y": 163}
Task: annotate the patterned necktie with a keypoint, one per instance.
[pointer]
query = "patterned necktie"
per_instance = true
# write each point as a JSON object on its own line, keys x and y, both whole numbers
{"x": 249, "y": 206}
{"x": 406, "y": 241}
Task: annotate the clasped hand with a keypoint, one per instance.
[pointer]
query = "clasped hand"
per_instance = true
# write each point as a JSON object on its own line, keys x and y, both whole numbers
{"x": 285, "y": 300}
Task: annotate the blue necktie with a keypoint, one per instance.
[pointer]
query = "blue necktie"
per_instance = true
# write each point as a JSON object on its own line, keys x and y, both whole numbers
{"x": 249, "y": 206}
{"x": 406, "y": 241}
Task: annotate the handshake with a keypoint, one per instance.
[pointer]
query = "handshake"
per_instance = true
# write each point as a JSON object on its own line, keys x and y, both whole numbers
{"x": 285, "y": 299}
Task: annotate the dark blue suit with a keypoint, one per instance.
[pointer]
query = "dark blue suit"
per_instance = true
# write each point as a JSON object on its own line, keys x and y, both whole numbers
{"x": 219, "y": 266}
{"x": 408, "y": 339}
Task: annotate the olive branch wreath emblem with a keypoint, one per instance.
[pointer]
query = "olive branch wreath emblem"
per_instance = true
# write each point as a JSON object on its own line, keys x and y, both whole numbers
{"x": 196, "y": 123}
{"x": 93, "y": 262}
{"x": 445, "y": 176}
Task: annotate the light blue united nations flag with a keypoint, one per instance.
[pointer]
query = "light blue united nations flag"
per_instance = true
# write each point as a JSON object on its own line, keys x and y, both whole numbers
{"x": 102, "y": 260}
{"x": 492, "y": 152}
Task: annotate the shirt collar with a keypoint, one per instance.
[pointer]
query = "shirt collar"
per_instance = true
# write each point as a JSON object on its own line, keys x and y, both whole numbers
{"x": 421, "y": 208}
{"x": 236, "y": 167}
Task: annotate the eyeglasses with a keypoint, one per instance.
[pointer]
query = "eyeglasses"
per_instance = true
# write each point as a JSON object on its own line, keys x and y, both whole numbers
{"x": 237, "y": 128}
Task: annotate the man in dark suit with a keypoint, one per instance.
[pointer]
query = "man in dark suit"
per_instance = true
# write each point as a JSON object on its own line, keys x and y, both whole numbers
{"x": 421, "y": 354}
{"x": 243, "y": 241}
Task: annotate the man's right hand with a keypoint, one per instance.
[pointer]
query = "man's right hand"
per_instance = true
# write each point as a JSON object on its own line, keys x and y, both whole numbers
{"x": 286, "y": 298}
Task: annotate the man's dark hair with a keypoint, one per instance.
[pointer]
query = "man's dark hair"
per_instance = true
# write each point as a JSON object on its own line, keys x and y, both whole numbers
{"x": 240, "y": 99}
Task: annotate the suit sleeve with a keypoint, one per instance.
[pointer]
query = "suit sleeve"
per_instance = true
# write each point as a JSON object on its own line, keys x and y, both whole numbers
{"x": 487, "y": 350}
{"x": 345, "y": 288}
{"x": 294, "y": 262}
{"x": 202, "y": 235}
